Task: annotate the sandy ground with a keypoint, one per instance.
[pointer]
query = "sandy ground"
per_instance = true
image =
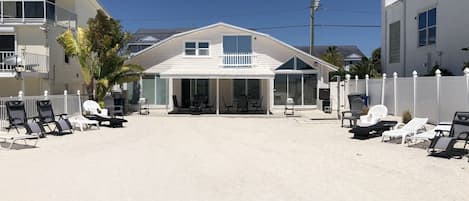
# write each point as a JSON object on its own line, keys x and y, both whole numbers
{"x": 219, "y": 158}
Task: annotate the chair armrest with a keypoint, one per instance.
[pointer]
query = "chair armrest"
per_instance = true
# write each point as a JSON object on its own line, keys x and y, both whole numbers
{"x": 346, "y": 112}
{"x": 397, "y": 126}
{"x": 465, "y": 136}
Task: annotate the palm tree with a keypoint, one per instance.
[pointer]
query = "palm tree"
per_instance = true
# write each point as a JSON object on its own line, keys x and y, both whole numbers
{"x": 363, "y": 68}
{"x": 100, "y": 72}
{"x": 333, "y": 57}
{"x": 376, "y": 58}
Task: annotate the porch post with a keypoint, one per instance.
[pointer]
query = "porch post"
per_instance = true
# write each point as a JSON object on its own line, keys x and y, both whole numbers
{"x": 218, "y": 96}
{"x": 270, "y": 102}
{"x": 170, "y": 94}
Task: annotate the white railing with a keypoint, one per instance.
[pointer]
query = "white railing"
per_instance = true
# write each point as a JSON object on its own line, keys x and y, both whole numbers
{"x": 50, "y": 13}
{"x": 32, "y": 62}
{"x": 237, "y": 60}
{"x": 62, "y": 104}
{"x": 3, "y": 66}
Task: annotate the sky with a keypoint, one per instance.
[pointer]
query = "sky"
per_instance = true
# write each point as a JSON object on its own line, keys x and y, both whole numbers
{"x": 264, "y": 15}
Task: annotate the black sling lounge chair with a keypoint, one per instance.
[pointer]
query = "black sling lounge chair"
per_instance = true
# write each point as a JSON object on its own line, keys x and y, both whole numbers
{"x": 47, "y": 116}
{"x": 444, "y": 146}
{"x": 365, "y": 132}
{"x": 16, "y": 115}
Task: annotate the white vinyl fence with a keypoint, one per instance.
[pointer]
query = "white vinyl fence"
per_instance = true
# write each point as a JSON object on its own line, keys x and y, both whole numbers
{"x": 437, "y": 97}
{"x": 62, "y": 104}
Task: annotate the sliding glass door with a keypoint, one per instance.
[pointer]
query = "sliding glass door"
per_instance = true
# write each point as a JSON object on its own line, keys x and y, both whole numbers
{"x": 155, "y": 89}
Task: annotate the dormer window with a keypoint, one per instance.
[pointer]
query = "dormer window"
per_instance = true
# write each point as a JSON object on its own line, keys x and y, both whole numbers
{"x": 197, "y": 49}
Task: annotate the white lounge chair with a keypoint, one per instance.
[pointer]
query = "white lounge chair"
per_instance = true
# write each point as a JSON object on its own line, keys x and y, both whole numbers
{"x": 429, "y": 135}
{"x": 407, "y": 130}
{"x": 82, "y": 122}
{"x": 375, "y": 114}
{"x": 93, "y": 108}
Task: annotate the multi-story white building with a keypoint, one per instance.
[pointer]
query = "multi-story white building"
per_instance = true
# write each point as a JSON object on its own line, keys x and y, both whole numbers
{"x": 417, "y": 35}
{"x": 28, "y": 32}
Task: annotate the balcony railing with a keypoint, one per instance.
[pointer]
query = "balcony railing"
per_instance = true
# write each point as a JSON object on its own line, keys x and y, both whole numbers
{"x": 29, "y": 62}
{"x": 237, "y": 60}
{"x": 33, "y": 12}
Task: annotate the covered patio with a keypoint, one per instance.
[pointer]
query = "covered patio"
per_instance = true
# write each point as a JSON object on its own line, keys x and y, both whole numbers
{"x": 221, "y": 91}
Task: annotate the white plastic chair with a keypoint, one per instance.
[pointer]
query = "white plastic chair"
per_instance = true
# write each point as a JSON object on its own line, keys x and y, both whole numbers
{"x": 407, "y": 130}
{"x": 92, "y": 107}
{"x": 375, "y": 114}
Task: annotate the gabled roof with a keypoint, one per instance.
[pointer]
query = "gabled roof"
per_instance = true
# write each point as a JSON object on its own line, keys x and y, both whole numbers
{"x": 345, "y": 50}
{"x": 141, "y": 35}
{"x": 330, "y": 66}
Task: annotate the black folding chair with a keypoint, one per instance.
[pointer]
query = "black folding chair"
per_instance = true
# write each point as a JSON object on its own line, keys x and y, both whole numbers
{"x": 444, "y": 146}
{"x": 16, "y": 115}
{"x": 356, "y": 108}
{"x": 47, "y": 116}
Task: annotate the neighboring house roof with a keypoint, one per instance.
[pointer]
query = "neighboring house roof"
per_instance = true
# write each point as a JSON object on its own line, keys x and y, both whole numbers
{"x": 328, "y": 65}
{"x": 152, "y": 36}
{"x": 351, "y": 52}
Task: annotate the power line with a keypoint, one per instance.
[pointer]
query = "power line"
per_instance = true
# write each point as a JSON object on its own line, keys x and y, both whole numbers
{"x": 318, "y": 25}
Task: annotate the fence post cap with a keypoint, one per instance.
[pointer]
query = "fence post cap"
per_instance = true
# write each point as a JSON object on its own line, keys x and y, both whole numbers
{"x": 367, "y": 76}
{"x": 415, "y": 74}
{"x": 466, "y": 71}
{"x": 20, "y": 93}
{"x": 395, "y": 74}
{"x": 347, "y": 76}
{"x": 65, "y": 92}
{"x": 438, "y": 73}
{"x": 384, "y": 75}
{"x": 356, "y": 77}
{"x": 78, "y": 92}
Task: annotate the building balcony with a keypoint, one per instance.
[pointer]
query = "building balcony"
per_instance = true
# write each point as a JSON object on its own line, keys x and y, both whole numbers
{"x": 35, "y": 12}
{"x": 238, "y": 60}
{"x": 11, "y": 62}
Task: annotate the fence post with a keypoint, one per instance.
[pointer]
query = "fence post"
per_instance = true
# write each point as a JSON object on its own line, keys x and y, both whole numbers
{"x": 20, "y": 95}
{"x": 65, "y": 102}
{"x": 46, "y": 94}
{"x": 438, "y": 77}
{"x": 356, "y": 83}
{"x": 383, "y": 87}
{"x": 79, "y": 101}
{"x": 395, "y": 93}
{"x": 415, "y": 75}
{"x": 466, "y": 73}
{"x": 367, "y": 78}
{"x": 347, "y": 84}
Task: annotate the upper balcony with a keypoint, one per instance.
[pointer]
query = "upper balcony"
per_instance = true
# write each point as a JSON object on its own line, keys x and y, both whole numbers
{"x": 27, "y": 62}
{"x": 16, "y": 12}
{"x": 238, "y": 60}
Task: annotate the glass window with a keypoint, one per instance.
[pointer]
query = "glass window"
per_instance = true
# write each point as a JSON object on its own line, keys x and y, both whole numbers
{"x": 244, "y": 44}
{"x": 161, "y": 91}
{"x": 237, "y": 44}
{"x": 50, "y": 10}
{"x": 294, "y": 88}
{"x": 230, "y": 44}
{"x": 149, "y": 88}
{"x": 432, "y": 17}
{"x": 280, "y": 92}
{"x": 204, "y": 49}
{"x": 301, "y": 65}
{"x": 289, "y": 65}
{"x": 310, "y": 89}
{"x": 12, "y": 9}
{"x": 190, "y": 45}
{"x": 7, "y": 43}
{"x": 427, "y": 27}
{"x": 422, "y": 38}
{"x": 422, "y": 20}
{"x": 254, "y": 89}
{"x": 432, "y": 35}
{"x": 33, "y": 9}
{"x": 239, "y": 88}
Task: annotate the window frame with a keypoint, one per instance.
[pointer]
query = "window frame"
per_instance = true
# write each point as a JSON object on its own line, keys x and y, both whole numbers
{"x": 427, "y": 27}
{"x": 237, "y": 44}
{"x": 197, "y": 48}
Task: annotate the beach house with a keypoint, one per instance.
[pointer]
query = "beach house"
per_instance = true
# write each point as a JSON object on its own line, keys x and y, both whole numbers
{"x": 228, "y": 69}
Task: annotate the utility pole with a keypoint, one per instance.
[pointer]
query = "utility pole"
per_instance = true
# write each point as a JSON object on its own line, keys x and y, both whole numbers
{"x": 314, "y": 6}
